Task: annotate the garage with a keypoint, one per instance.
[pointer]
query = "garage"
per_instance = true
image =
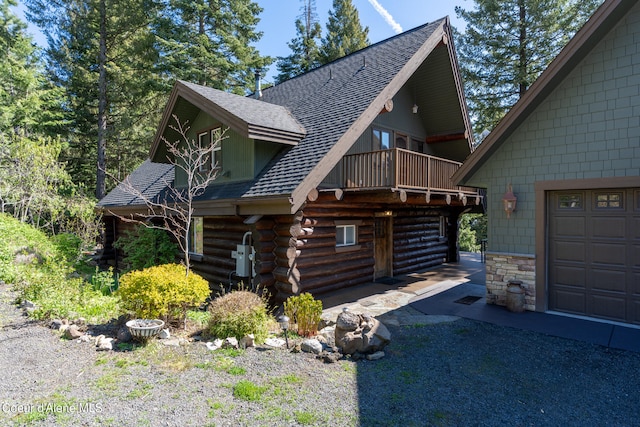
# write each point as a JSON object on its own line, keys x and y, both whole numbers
{"x": 594, "y": 253}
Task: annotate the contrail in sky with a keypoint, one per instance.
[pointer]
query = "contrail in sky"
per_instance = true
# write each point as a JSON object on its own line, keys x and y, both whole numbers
{"x": 386, "y": 16}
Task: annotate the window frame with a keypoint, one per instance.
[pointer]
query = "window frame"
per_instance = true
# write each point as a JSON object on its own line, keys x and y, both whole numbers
{"x": 197, "y": 225}
{"x": 215, "y": 140}
{"x": 204, "y": 165}
{"x": 345, "y": 235}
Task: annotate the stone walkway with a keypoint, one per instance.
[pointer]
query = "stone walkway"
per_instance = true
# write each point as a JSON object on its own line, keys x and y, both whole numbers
{"x": 390, "y": 302}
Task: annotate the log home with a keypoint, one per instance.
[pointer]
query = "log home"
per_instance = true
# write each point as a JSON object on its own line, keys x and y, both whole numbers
{"x": 337, "y": 177}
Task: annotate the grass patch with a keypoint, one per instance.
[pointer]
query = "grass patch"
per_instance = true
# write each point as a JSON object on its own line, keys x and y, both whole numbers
{"x": 305, "y": 418}
{"x": 249, "y": 391}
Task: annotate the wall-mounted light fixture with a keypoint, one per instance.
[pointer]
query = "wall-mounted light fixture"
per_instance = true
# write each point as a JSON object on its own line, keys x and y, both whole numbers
{"x": 509, "y": 201}
{"x": 414, "y": 109}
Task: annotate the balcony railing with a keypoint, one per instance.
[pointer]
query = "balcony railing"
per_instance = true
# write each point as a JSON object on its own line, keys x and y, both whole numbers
{"x": 400, "y": 168}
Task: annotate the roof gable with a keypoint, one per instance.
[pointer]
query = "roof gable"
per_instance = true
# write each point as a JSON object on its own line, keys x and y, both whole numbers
{"x": 605, "y": 18}
{"x": 249, "y": 117}
{"x": 323, "y": 112}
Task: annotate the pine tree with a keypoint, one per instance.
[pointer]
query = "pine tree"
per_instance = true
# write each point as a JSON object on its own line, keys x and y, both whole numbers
{"x": 305, "y": 50}
{"x": 28, "y": 103}
{"x": 344, "y": 32}
{"x": 210, "y": 43}
{"x": 101, "y": 52}
{"x": 507, "y": 44}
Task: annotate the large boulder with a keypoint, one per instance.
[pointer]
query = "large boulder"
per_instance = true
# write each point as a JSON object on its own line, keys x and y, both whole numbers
{"x": 360, "y": 333}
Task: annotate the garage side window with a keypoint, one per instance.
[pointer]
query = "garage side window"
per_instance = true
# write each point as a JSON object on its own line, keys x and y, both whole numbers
{"x": 609, "y": 200}
{"x": 346, "y": 235}
{"x": 570, "y": 201}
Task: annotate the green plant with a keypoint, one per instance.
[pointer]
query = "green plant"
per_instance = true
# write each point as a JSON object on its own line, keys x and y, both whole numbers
{"x": 246, "y": 390}
{"x": 145, "y": 247}
{"x": 305, "y": 311}
{"x": 104, "y": 281}
{"x": 68, "y": 245}
{"x": 304, "y": 417}
{"x": 163, "y": 291}
{"x": 238, "y": 314}
{"x": 199, "y": 317}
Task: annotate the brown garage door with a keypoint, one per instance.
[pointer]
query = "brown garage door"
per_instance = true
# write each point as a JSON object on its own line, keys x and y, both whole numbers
{"x": 594, "y": 253}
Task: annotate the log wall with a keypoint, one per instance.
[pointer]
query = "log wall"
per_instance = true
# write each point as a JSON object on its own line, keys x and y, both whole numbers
{"x": 297, "y": 253}
{"x": 416, "y": 241}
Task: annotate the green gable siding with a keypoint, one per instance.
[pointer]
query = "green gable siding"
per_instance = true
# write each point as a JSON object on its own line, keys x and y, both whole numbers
{"x": 238, "y": 155}
{"x": 589, "y": 127}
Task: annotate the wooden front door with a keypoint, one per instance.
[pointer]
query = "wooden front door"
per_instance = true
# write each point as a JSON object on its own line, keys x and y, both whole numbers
{"x": 383, "y": 247}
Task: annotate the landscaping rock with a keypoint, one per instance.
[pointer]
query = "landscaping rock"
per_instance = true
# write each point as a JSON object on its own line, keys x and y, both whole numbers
{"x": 56, "y": 324}
{"x": 328, "y": 357}
{"x": 311, "y": 345}
{"x": 348, "y": 321}
{"x": 215, "y": 345}
{"x": 230, "y": 342}
{"x": 85, "y": 338}
{"x": 72, "y": 332}
{"x": 164, "y": 334}
{"x": 375, "y": 356}
{"x": 247, "y": 341}
{"x": 328, "y": 333}
{"x": 124, "y": 335}
{"x": 275, "y": 342}
{"x": 360, "y": 333}
{"x": 103, "y": 343}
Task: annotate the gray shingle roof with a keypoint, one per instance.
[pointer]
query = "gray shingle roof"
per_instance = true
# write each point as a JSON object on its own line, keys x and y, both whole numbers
{"x": 326, "y": 102}
{"x": 149, "y": 178}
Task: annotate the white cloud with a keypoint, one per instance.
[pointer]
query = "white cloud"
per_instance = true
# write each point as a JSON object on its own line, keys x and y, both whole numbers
{"x": 386, "y": 16}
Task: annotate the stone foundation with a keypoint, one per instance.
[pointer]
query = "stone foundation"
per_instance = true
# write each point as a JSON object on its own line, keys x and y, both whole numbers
{"x": 501, "y": 268}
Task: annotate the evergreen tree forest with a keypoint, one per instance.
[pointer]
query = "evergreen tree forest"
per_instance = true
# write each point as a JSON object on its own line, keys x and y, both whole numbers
{"x": 507, "y": 44}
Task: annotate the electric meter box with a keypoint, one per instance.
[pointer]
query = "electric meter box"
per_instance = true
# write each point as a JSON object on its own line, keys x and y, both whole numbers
{"x": 242, "y": 255}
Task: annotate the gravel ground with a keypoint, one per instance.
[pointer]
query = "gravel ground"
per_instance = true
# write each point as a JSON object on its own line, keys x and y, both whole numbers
{"x": 462, "y": 373}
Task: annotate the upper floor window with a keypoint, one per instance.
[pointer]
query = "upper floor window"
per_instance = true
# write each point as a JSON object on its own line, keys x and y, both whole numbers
{"x": 216, "y": 155}
{"x": 211, "y": 139}
{"x": 203, "y": 142}
{"x": 381, "y": 139}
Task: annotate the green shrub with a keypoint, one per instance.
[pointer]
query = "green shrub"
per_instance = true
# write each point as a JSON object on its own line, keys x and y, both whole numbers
{"x": 305, "y": 311}
{"x": 68, "y": 245}
{"x": 238, "y": 314}
{"x": 164, "y": 291}
{"x": 145, "y": 247}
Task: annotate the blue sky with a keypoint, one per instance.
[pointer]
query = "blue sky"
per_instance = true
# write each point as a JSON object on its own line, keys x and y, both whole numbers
{"x": 384, "y": 18}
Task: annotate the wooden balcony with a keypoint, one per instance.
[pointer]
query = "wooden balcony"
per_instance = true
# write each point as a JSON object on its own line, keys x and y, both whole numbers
{"x": 398, "y": 168}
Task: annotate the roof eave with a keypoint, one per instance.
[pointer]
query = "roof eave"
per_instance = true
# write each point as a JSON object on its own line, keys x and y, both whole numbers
{"x": 604, "y": 18}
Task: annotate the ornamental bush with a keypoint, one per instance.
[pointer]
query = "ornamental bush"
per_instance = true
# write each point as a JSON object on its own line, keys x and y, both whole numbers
{"x": 305, "y": 311}
{"x": 238, "y": 314}
{"x": 163, "y": 291}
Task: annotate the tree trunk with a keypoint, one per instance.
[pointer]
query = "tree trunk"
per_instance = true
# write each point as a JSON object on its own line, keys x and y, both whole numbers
{"x": 102, "y": 104}
{"x": 522, "y": 49}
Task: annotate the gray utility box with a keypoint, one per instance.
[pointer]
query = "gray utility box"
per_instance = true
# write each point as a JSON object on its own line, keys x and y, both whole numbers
{"x": 242, "y": 255}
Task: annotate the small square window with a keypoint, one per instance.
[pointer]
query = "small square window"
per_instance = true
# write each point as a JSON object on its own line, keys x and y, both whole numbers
{"x": 345, "y": 235}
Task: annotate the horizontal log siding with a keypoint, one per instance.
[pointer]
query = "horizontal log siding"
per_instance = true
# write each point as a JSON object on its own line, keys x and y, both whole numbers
{"x": 321, "y": 268}
{"x": 416, "y": 241}
{"x": 221, "y": 235}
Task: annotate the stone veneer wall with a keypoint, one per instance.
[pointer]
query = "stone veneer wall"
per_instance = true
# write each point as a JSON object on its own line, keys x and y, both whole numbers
{"x": 501, "y": 268}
